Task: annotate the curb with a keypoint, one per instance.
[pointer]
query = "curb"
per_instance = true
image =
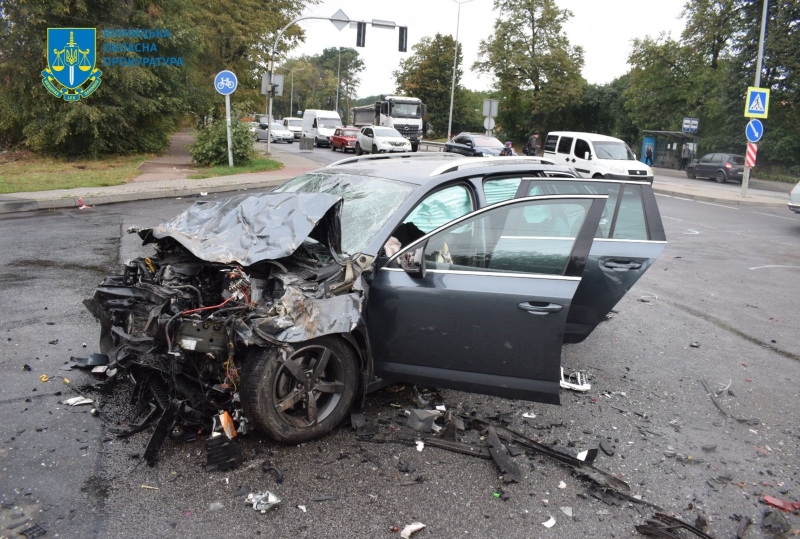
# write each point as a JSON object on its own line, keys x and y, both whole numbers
{"x": 702, "y": 198}
{"x": 20, "y": 205}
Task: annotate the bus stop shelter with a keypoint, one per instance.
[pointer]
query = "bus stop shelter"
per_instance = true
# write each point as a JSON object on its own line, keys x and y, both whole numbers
{"x": 667, "y": 147}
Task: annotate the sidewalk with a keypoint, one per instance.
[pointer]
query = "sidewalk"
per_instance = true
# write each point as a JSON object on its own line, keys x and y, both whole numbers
{"x": 161, "y": 183}
{"x": 162, "y": 187}
{"x": 760, "y": 192}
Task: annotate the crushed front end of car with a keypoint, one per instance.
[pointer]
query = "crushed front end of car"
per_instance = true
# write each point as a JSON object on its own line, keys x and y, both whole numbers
{"x": 233, "y": 318}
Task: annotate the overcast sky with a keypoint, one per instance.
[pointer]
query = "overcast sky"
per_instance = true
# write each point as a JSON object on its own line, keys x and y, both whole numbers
{"x": 604, "y": 28}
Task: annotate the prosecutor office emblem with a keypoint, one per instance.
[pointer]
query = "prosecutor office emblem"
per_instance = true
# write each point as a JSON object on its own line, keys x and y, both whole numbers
{"x": 71, "y": 71}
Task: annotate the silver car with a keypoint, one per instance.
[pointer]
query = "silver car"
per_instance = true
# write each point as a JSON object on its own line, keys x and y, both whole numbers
{"x": 279, "y": 133}
{"x": 794, "y": 199}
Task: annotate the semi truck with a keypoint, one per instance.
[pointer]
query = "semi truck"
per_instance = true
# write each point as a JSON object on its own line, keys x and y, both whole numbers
{"x": 403, "y": 113}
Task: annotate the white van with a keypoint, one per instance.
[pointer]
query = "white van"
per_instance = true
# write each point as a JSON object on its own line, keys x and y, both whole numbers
{"x": 295, "y": 125}
{"x": 320, "y": 124}
{"x": 595, "y": 156}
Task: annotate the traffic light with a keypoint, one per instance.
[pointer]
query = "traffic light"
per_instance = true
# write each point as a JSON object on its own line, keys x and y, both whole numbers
{"x": 360, "y": 34}
{"x": 403, "y": 45}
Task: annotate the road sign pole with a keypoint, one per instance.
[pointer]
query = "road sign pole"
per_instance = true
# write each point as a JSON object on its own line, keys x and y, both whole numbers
{"x": 746, "y": 175}
{"x": 228, "y": 125}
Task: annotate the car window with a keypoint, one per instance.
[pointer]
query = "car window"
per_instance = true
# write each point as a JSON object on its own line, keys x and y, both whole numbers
{"x": 349, "y": 133}
{"x": 539, "y": 187}
{"x": 630, "y": 223}
{"x": 500, "y": 189}
{"x": 717, "y": 158}
{"x": 582, "y": 148}
{"x": 565, "y": 145}
{"x": 533, "y": 237}
{"x": 707, "y": 157}
{"x": 460, "y": 140}
{"x": 337, "y": 133}
{"x": 441, "y": 207}
{"x": 736, "y": 160}
{"x": 262, "y": 126}
{"x": 550, "y": 143}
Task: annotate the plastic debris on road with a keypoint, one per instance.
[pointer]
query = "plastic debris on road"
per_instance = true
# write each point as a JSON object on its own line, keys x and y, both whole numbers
{"x": 77, "y": 401}
{"x": 562, "y": 485}
{"x": 262, "y": 501}
{"x": 575, "y": 381}
{"x": 529, "y": 415}
{"x": 781, "y": 504}
{"x": 420, "y": 446}
{"x": 567, "y": 511}
{"x": 411, "y": 529}
{"x": 550, "y": 523}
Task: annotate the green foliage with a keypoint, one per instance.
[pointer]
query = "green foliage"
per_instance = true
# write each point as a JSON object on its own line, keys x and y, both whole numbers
{"x": 537, "y": 70}
{"x": 428, "y": 75}
{"x": 211, "y": 143}
{"x": 135, "y": 109}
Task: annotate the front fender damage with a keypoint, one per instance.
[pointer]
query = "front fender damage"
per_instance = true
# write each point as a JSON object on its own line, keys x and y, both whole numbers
{"x": 261, "y": 271}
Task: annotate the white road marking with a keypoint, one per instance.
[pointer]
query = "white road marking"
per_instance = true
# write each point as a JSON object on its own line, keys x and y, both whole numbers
{"x": 720, "y": 205}
{"x": 673, "y": 218}
{"x": 663, "y": 195}
{"x": 778, "y": 216}
{"x": 773, "y": 266}
{"x": 689, "y": 199}
{"x": 692, "y": 232}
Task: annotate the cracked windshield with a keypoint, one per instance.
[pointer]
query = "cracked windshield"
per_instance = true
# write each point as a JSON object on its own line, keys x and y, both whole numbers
{"x": 368, "y": 202}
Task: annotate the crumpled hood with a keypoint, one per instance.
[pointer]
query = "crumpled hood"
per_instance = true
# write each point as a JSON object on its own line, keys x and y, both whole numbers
{"x": 247, "y": 229}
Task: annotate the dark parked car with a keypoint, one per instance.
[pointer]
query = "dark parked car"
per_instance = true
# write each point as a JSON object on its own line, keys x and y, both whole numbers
{"x": 472, "y": 144}
{"x": 477, "y": 272}
{"x": 719, "y": 166}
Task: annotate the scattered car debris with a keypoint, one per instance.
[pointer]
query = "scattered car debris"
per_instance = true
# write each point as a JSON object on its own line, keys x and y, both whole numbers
{"x": 576, "y": 381}
{"x": 27, "y": 367}
{"x": 550, "y": 523}
{"x": 302, "y": 508}
{"x": 324, "y": 498}
{"x": 222, "y": 453}
{"x": 149, "y": 487}
{"x": 562, "y": 485}
{"x": 567, "y": 511}
{"x": 262, "y": 501}
{"x": 743, "y": 527}
{"x": 606, "y": 448}
{"x": 406, "y": 467}
{"x": 774, "y": 522}
{"x": 529, "y": 415}
{"x": 94, "y": 360}
{"x": 411, "y": 529}
{"x": 663, "y": 525}
{"x": 269, "y": 467}
{"x": 694, "y": 344}
{"x": 77, "y": 401}
{"x": 509, "y": 469}
{"x": 422, "y": 420}
{"x": 216, "y": 506}
{"x": 783, "y": 505}
{"x": 752, "y": 421}
{"x": 33, "y": 532}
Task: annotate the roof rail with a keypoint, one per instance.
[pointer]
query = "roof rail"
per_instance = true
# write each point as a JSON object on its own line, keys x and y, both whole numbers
{"x": 494, "y": 160}
{"x": 404, "y": 155}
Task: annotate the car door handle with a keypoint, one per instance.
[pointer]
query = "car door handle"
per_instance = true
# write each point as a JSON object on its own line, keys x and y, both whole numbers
{"x": 540, "y": 307}
{"x": 622, "y": 264}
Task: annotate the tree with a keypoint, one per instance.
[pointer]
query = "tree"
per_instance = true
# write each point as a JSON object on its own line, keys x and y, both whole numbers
{"x": 536, "y": 69}
{"x": 428, "y": 75}
{"x": 135, "y": 109}
{"x": 348, "y": 65}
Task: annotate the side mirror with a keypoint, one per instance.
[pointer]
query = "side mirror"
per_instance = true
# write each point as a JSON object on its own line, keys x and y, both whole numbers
{"x": 424, "y": 110}
{"x": 469, "y": 143}
{"x": 413, "y": 261}
{"x": 587, "y": 155}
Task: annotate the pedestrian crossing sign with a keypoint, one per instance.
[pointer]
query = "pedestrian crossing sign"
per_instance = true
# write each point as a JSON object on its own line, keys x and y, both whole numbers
{"x": 757, "y": 103}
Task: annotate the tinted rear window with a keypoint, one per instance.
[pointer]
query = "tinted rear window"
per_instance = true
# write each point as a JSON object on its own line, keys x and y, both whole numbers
{"x": 550, "y": 143}
{"x": 736, "y": 160}
{"x": 565, "y": 145}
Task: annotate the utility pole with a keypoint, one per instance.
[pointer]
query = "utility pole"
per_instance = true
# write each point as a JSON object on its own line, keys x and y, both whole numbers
{"x": 291, "y": 95}
{"x": 455, "y": 59}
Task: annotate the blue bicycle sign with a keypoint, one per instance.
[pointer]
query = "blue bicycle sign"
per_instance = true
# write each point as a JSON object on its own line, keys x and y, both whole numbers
{"x": 225, "y": 82}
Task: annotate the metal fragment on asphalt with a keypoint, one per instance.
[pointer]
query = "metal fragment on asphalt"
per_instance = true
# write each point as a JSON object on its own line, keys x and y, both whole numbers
{"x": 411, "y": 529}
{"x": 262, "y": 501}
{"x": 550, "y": 523}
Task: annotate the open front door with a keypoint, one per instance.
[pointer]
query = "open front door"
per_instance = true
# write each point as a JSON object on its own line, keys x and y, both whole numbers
{"x": 482, "y": 303}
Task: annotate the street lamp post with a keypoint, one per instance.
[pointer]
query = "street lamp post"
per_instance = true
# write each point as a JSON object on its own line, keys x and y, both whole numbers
{"x": 455, "y": 59}
{"x": 338, "y": 70}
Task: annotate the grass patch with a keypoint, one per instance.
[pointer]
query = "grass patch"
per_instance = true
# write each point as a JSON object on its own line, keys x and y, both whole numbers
{"x": 260, "y": 164}
{"x": 25, "y": 171}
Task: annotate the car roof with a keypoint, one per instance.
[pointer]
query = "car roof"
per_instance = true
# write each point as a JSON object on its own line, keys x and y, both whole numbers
{"x": 431, "y": 169}
{"x": 590, "y": 136}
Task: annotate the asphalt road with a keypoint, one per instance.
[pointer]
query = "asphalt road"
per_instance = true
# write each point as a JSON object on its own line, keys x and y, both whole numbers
{"x": 727, "y": 281}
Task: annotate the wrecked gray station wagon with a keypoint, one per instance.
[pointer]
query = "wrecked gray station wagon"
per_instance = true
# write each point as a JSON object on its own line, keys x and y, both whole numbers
{"x": 284, "y": 309}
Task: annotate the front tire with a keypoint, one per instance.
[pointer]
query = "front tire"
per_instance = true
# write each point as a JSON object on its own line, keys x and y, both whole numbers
{"x": 414, "y": 147}
{"x": 690, "y": 173}
{"x": 359, "y": 151}
{"x": 721, "y": 177}
{"x": 374, "y": 148}
{"x": 306, "y": 396}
